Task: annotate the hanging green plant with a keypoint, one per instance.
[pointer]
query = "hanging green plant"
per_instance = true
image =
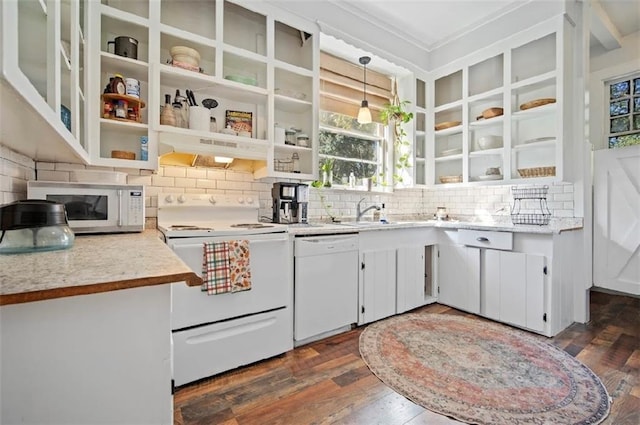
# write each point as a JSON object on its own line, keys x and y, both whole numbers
{"x": 396, "y": 115}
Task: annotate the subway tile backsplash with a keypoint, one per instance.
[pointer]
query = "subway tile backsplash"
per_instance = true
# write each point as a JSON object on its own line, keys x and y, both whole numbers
{"x": 484, "y": 201}
{"x": 15, "y": 171}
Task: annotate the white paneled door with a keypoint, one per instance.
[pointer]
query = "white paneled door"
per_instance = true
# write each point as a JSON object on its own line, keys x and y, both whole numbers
{"x": 616, "y": 227}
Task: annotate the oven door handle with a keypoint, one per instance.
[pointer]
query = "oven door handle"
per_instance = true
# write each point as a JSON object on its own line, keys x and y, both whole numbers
{"x": 120, "y": 223}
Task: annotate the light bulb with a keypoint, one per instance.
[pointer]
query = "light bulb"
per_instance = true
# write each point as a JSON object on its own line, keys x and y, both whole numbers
{"x": 364, "y": 114}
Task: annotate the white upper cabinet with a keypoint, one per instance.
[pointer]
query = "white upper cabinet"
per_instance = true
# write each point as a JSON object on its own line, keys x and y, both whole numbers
{"x": 238, "y": 61}
{"x": 500, "y": 114}
{"x": 43, "y": 79}
{"x": 119, "y": 46}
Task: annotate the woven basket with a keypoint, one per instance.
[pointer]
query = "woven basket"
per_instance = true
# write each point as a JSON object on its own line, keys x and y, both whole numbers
{"x": 450, "y": 179}
{"x": 537, "y": 172}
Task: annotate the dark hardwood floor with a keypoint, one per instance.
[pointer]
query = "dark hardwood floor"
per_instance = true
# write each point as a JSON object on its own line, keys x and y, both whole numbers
{"x": 326, "y": 382}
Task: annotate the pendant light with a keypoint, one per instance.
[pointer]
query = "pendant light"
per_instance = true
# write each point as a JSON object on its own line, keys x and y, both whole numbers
{"x": 364, "y": 114}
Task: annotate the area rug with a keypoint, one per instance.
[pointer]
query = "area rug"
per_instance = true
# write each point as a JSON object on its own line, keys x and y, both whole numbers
{"x": 482, "y": 373}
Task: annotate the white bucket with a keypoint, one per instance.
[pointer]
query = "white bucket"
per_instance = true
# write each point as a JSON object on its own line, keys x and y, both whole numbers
{"x": 132, "y": 87}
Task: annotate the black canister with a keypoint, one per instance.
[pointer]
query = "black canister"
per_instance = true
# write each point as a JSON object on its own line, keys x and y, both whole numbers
{"x": 125, "y": 46}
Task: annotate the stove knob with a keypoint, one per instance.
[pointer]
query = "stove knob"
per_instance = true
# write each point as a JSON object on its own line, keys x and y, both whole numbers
{"x": 168, "y": 199}
{"x": 212, "y": 199}
{"x": 249, "y": 200}
{"x": 181, "y": 199}
{"x": 241, "y": 200}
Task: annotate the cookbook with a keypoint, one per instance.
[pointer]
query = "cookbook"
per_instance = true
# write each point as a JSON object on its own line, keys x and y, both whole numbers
{"x": 240, "y": 122}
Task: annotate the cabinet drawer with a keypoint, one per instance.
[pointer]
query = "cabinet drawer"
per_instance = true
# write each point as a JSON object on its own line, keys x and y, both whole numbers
{"x": 486, "y": 239}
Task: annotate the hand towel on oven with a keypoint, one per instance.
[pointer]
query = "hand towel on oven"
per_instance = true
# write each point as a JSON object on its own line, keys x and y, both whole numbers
{"x": 225, "y": 267}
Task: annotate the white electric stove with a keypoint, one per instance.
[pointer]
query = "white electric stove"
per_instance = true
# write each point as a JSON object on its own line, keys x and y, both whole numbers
{"x": 216, "y": 333}
{"x": 195, "y": 215}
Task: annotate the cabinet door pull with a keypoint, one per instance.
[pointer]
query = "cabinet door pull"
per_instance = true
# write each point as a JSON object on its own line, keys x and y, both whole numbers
{"x": 482, "y": 239}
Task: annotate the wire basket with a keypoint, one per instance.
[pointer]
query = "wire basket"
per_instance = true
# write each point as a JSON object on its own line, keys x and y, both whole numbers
{"x": 534, "y": 219}
{"x": 285, "y": 165}
{"x": 529, "y": 192}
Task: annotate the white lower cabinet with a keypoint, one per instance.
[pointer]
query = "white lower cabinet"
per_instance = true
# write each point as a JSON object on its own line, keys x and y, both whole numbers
{"x": 528, "y": 280}
{"x": 411, "y": 277}
{"x": 378, "y": 271}
{"x": 459, "y": 277}
{"x": 393, "y": 272}
{"x": 513, "y": 288}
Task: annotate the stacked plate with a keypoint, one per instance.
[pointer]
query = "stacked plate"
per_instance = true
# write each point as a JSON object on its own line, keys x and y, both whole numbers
{"x": 450, "y": 152}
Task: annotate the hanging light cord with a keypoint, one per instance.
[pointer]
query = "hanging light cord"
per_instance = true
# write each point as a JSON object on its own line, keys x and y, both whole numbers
{"x": 364, "y": 60}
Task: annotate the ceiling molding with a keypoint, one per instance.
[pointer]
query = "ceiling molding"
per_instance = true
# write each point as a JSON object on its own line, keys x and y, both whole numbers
{"x": 603, "y": 29}
{"x": 381, "y": 24}
{"x": 358, "y": 9}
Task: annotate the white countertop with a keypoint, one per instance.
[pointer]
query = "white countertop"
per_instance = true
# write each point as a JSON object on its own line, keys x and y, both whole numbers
{"x": 95, "y": 263}
{"x": 555, "y": 226}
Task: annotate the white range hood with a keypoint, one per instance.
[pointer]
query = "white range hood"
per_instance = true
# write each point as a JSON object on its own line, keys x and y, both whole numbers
{"x": 172, "y": 139}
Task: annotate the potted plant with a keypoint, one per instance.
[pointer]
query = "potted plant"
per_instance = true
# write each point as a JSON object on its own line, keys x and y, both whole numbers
{"x": 395, "y": 115}
{"x": 327, "y": 172}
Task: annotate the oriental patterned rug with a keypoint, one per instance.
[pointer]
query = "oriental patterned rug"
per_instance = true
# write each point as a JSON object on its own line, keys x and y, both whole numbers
{"x": 482, "y": 373}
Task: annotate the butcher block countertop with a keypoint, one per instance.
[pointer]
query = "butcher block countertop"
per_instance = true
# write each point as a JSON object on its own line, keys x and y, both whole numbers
{"x": 94, "y": 264}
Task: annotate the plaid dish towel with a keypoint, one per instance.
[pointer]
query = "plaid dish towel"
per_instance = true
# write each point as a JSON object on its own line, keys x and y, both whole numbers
{"x": 239, "y": 265}
{"x": 215, "y": 268}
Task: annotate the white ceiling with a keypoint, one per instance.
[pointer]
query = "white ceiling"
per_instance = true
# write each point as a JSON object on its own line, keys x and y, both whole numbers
{"x": 429, "y": 24}
{"x": 429, "y": 33}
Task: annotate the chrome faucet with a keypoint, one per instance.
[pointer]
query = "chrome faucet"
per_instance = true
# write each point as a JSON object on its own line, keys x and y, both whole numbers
{"x": 360, "y": 213}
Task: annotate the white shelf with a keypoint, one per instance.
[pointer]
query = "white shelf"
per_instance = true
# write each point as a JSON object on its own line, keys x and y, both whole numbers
{"x": 542, "y": 79}
{"x": 448, "y": 106}
{"x": 127, "y": 67}
{"x": 536, "y": 145}
{"x": 487, "y": 122}
{"x": 448, "y": 158}
{"x": 449, "y": 131}
{"x": 198, "y": 82}
{"x": 487, "y": 152}
{"x": 291, "y": 148}
{"x": 493, "y": 94}
{"x": 106, "y": 123}
{"x": 547, "y": 109}
{"x": 292, "y": 68}
{"x": 123, "y": 16}
{"x": 187, "y": 35}
{"x": 290, "y": 104}
{"x": 245, "y": 54}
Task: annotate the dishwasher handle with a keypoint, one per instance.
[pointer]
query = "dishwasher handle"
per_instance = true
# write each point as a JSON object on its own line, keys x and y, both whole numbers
{"x": 319, "y": 245}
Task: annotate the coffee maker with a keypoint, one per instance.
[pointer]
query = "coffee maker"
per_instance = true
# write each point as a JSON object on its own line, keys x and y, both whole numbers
{"x": 290, "y": 202}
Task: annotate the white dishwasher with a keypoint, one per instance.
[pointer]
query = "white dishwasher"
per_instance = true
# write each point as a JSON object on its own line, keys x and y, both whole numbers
{"x": 325, "y": 285}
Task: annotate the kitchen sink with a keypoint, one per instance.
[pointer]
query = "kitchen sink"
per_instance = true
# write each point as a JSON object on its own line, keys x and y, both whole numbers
{"x": 370, "y": 223}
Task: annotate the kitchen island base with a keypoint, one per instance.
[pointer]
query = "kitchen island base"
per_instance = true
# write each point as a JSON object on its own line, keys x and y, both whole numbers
{"x": 103, "y": 358}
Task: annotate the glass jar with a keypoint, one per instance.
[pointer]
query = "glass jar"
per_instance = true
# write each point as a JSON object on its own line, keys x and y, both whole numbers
{"x": 121, "y": 109}
{"x": 290, "y": 137}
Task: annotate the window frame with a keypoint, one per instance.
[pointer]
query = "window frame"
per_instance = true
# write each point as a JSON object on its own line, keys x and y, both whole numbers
{"x": 607, "y": 102}
{"x": 382, "y": 163}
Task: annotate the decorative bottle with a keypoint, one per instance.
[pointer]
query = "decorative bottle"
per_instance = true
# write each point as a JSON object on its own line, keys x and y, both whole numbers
{"x": 166, "y": 116}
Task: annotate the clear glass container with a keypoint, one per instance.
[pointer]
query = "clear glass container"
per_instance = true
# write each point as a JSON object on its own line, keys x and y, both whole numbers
{"x": 48, "y": 238}
{"x": 33, "y": 225}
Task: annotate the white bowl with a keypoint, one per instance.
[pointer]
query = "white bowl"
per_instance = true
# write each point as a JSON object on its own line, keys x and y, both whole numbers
{"x": 186, "y": 55}
{"x": 490, "y": 142}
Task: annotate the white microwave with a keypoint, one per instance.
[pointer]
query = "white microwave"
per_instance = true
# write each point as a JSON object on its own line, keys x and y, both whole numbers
{"x": 95, "y": 207}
